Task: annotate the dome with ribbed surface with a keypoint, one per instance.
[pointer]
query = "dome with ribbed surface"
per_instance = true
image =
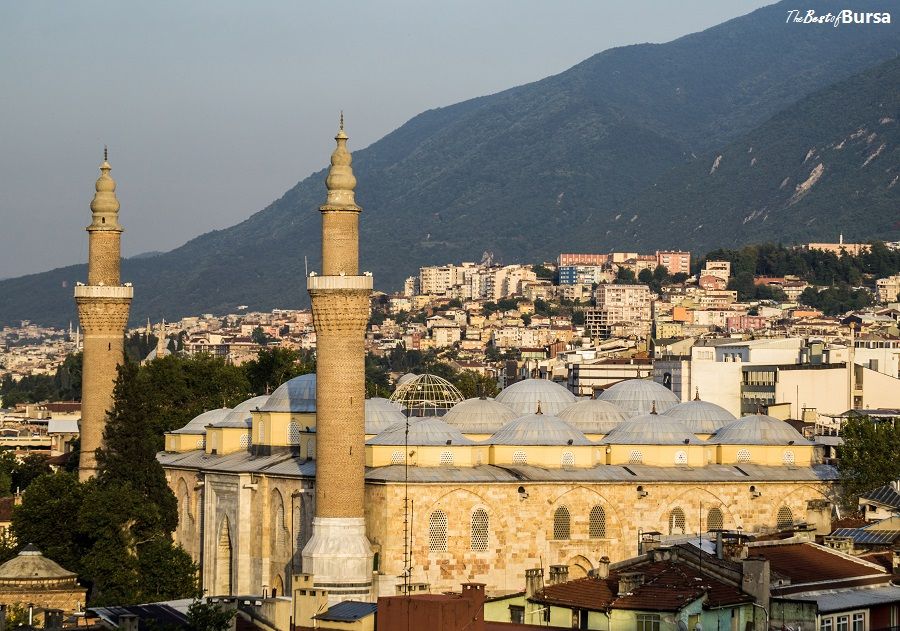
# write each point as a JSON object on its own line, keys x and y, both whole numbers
{"x": 479, "y": 416}
{"x": 32, "y": 566}
{"x": 538, "y": 429}
{"x": 592, "y": 416}
{"x": 197, "y": 425}
{"x": 651, "y": 429}
{"x": 758, "y": 429}
{"x": 428, "y": 431}
{"x": 637, "y": 396}
{"x": 523, "y": 396}
{"x": 427, "y": 395}
{"x": 382, "y": 414}
{"x": 406, "y": 378}
{"x": 296, "y": 395}
{"x": 240, "y": 415}
{"x": 701, "y": 417}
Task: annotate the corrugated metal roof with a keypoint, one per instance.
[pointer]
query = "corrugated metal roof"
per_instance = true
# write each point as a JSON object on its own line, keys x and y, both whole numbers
{"x": 868, "y": 537}
{"x": 847, "y": 599}
{"x": 347, "y": 611}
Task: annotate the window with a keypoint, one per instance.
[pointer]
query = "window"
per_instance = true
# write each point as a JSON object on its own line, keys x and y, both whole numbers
{"x": 647, "y": 622}
{"x": 743, "y": 455}
{"x": 437, "y": 531}
{"x": 517, "y": 614}
{"x": 785, "y": 518}
{"x": 293, "y": 436}
{"x": 677, "y": 521}
{"x": 201, "y": 442}
{"x": 788, "y": 458}
{"x": 397, "y": 457}
{"x": 245, "y": 441}
{"x": 635, "y": 457}
{"x": 568, "y": 459}
{"x": 447, "y": 458}
{"x": 715, "y": 520}
{"x": 826, "y": 624}
{"x": 597, "y": 525}
{"x": 843, "y": 623}
{"x": 680, "y": 457}
{"x": 480, "y": 530}
{"x": 859, "y": 621}
{"x": 519, "y": 457}
{"x": 561, "y": 523}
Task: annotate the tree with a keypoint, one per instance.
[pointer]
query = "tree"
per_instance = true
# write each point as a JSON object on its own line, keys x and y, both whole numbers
{"x": 679, "y": 278}
{"x": 206, "y": 616}
{"x": 625, "y": 276}
{"x": 473, "y": 384}
{"x": 868, "y": 457}
{"x": 28, "y": 469}
{"x": 273, "y": 366}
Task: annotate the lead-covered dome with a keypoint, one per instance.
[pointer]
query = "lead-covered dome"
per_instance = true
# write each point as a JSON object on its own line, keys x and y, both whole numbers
{"x": 758, "y": 429}
{"x": 651, "y": 429}
{"x": 429, "y": 431}
{"x": 538, "y": 429}
{"x": 240, "y": 415}
{"x": 295, "y": 395}
{"x": 382, "y": 414}
{"x": 523, "y": 396}
{"x": 479, "y": 416}
{"x": 197, "y": 425}
{"x": 701, "y": 417}
{"x": 427, "y": 395}
{"x": 638, "y": 396}
{"x": 31, "y": 569}
{"x": 592, "y": 416}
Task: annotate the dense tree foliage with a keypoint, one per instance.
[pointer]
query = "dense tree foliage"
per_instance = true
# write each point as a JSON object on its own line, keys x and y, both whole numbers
{"x": 868, "y": 458}
{"x": 836, "y": 300}
{"x": 64, "y": 385}
{"x": 273, "y": 366}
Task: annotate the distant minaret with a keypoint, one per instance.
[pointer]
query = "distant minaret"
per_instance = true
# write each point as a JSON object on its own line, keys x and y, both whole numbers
{"x": 103, "y": 312}
{"x": 339, "y": 555}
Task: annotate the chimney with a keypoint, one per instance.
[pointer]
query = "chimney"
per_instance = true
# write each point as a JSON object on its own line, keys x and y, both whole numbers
{"x": 629, "y": 581}
{"x": 756, "y": 579}
{"x": 720, "y": 545}
{"x": 53, "y": 619}
{"x": 559, "y": 574}
{"x": 474, "y": 593}
{"x": 128, "y": 622}
{"x": 895, "y": 484}
{"x": 534, "y": 581}
{"x": 603, "y": 568}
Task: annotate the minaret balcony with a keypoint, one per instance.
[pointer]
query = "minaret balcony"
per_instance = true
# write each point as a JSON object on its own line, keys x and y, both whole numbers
{"x": 104, "y": 291}
{"x": 318, "y": 283}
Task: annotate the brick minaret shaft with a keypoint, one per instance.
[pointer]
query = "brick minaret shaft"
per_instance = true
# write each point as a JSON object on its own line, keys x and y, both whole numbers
{"x": 338, "y": 554}
{"x": 103, "y": 306}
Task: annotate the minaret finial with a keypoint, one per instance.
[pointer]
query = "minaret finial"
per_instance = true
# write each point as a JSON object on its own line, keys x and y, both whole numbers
{"x": 696, "y": 393}
{"x": 105, "y": 153}
{"x": 341, "y": 181}
{"x": 342, "y": 120}
{"x": 539, "y": 407}
{"x": 653, "y": 408}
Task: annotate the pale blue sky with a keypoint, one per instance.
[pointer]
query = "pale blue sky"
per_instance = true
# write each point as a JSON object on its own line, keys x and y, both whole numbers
{"x": 212, "y": 109}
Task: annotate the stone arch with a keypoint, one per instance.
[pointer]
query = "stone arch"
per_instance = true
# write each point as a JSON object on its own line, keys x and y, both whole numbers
{"x": 278, "y": 586}
{"x": 697, "y": 500}
{"x": 477, "y": 500}
{"x": 277, "y": 531}
{"x": 590, "y": 498}
{"x": 579, "y": 567}
{"x": 480, "y": 531}
{"x": 185, "y": 516}
{"x": 222, "y": 582}
{"x": 562, "y": 523}
{"x": 298, "y": 535}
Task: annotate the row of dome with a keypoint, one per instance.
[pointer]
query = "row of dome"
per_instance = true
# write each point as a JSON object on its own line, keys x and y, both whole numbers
{"x": 529, "y": 412}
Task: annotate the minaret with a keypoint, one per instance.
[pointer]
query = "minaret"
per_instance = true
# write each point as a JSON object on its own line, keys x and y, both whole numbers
{"x": 103, "y": 312}
{"x": 338, "y": 554}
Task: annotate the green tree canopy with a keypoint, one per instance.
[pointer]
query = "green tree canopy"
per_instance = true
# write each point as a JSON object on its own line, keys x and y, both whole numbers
{"x": 868, "y": 458}
{"x": 273, "y": 366}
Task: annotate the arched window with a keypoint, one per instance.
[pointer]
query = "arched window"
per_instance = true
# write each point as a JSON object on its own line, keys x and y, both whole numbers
{"x": 785, "y": 518}
{"x": 437, "y": 531}
{"x": 446, "y": 458}
{"x": 677, "y": 521}
{"x": 743, "y": 455}
{"x": 714, "y": 519}
{"x": 298, "y": 534}
{"x": 520, "y": 457}
{"x": 245, "y": 441}
{"x": 397, "y": 457}
{"x": 635, "y": 456}
{"x": 680, "y": 457}
{"x": 568, "y": 459}
{"x": 293, "y": 436}
{"x": 562, "y": 523}
{"x": 788, "y": 458}
{"x": 480, "y": 530}
{"x": 597, "y": 525}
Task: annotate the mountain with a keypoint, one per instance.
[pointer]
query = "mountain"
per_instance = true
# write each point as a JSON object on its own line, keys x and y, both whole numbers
{"x": 826, "y": 165}
{"x": 523, "y": 173}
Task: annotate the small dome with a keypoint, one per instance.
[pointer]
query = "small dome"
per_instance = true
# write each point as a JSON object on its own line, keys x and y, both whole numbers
{"x": 382, "y": 414}
{"x": 523, "y": 396}
{"x": 479, "y": 416}
{"x": 31, "y": 565}
{"x": 406, "y": 378}
{"x": 427, "y": 395}
{"x": 429, "y": 431}
{"x": 295, "y": 395}
{"x": 538, "y": 429}
{"x": 758, "y": 429}
{"x": 651, "y": 429}
{"x": 701, "y": 417}
{"x": 197, "y": 425}
{"x": 592, "y": 416}
{"x": 240, "y": 415}
{"x": 637, "y": 396}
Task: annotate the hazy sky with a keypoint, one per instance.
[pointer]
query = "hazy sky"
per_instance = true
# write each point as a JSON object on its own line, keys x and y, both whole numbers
{"x": 213, "y": 109}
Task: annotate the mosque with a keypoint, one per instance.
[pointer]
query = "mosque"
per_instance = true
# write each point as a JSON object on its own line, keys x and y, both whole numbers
{"x": 427, "y": 490}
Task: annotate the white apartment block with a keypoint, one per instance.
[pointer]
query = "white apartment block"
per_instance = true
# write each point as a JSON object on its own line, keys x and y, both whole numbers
{"x": 888, "y": 288}
{"x": 618, "y": 305}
